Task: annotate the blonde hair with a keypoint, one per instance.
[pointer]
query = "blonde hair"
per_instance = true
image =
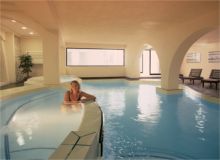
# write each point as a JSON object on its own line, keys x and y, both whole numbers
{"x": 76, "y": 82}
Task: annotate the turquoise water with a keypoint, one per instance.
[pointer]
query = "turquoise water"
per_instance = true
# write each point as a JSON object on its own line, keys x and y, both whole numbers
{"x": 141, "y": 123}
{"x": 138, "y": 123}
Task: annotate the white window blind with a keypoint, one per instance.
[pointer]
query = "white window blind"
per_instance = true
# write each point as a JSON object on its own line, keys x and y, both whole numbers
{"x": 94, "y": 57}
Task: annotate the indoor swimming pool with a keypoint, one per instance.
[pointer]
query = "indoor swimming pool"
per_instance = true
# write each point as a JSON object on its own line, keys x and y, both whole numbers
{"x": 139, "y": 123}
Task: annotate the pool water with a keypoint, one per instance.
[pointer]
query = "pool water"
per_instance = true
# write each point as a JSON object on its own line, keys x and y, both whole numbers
{"x": 33, "y": 126}
{"x": 138, "y": 123}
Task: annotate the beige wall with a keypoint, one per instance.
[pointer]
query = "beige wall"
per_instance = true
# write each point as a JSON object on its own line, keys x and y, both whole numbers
{"x": 3, "y": 71}
{"x": 17, "y": 46}
{"x": 34, "y": 47}
{"x": 37, "y": 70}
{"x": 203, "y": 49}
{"x": 62, "y": 60}
{"x": 96, "y": 71}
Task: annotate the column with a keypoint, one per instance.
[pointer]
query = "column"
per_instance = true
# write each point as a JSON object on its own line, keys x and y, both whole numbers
{"x": 10, "y": 57}
{"x": 51, "y": 58}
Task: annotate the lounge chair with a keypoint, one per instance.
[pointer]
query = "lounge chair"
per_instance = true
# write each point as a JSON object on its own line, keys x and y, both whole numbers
{"x": 193, "y": 75}
{"x": 213, "y": 78}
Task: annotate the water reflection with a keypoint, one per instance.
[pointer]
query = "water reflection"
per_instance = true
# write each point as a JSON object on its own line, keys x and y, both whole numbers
{"x": 116, "y": 102}
{"x": 20, "y": 138}
{"x": 189, "y": 92}
{"x": 23, "y": 126}
{"x": 71, "y": 108}
{"x": 28, "y": 123}
{"x": 148, "y": 104}
{"x": 200, "y": 118}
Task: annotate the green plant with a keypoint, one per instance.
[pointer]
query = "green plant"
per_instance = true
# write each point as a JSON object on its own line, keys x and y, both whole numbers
{"x": 25, "y": 64}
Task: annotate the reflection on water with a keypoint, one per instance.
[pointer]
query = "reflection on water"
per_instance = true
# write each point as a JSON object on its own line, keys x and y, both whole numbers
{"x": 200, "y": 118}
{"x": 23, "y": 126}
{"x": 36, "y": 124}
{"x": 115, "y": 102}
{"x": 77, "y": 107}
{"x": 20, "y": 138}
{"x": 148, "y": 104}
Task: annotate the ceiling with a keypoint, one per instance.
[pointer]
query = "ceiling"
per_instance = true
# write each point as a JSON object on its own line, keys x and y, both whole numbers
{"x": 104, "y": 21}
{"x": 10, "y": 25}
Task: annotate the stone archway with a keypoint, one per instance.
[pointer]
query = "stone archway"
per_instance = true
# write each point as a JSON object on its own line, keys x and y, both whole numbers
{"x": 180, "y": 53}
{"x": 208, "y": 43}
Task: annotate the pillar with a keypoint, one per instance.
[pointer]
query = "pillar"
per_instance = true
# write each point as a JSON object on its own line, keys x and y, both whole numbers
{"x": 132, "y": 57}
{"x": 10, "y": 58}
{"x": 51, "y": 58}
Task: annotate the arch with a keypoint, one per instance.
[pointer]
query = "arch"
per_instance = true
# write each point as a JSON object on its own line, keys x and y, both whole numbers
{"x": 181, "y": 51}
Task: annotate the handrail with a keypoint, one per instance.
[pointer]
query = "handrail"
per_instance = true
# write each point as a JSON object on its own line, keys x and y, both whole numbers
{"x": 101, "y": 135}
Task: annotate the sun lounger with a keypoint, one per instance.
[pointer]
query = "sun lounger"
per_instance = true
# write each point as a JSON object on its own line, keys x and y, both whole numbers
{"x": 214, "y": 78}
{"x": 193, "y": 75}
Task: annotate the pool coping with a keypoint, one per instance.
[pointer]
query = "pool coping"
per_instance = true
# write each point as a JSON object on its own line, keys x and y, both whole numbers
{"x": 86, "y": 143}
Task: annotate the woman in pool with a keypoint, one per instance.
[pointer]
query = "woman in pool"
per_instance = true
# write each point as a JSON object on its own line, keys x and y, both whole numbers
{"x": 75, "y": 95}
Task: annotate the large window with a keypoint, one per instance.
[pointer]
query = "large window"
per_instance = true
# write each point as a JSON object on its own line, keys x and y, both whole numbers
{"x": 94, "y": 57}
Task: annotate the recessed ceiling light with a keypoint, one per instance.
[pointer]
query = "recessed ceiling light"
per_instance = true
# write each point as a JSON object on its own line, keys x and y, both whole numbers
{"x": 31, "y": 33}
{"x": 23, "y": 27}
{"x": 13, "y": 21}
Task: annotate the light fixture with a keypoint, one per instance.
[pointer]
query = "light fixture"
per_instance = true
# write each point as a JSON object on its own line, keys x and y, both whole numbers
{"x": 13, "y": 21}
{"x": 23, "y": 27}
{"x": 31, "y": 33}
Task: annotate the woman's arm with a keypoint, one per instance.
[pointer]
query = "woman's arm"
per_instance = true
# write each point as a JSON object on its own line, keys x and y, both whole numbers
{"x": 88, "y": 97}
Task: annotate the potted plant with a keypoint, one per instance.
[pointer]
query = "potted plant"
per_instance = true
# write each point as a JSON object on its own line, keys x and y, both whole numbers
{"x": 25, "y": 64}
